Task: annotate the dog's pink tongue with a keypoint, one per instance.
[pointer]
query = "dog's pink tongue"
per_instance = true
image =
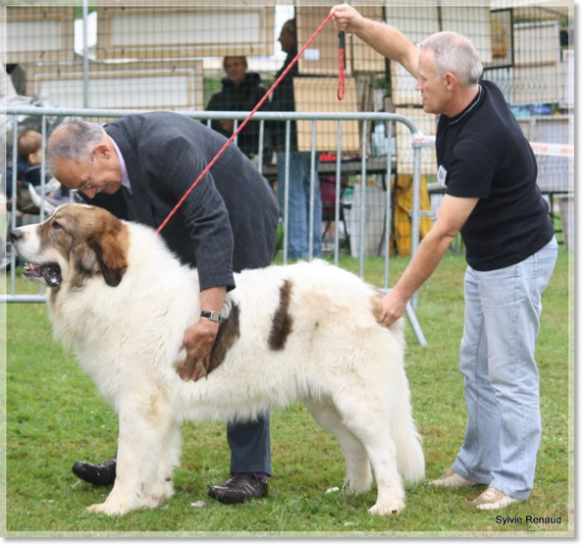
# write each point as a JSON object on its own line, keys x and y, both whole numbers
{"x": 32, "y": 271}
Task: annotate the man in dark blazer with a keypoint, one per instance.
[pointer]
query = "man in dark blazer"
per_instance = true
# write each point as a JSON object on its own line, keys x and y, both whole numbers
{"x": 139, "y": 167}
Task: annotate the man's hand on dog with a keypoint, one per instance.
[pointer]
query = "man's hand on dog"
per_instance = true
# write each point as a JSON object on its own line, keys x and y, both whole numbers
{"x": 198, "y": 341}
{"x": 393, "y": 307}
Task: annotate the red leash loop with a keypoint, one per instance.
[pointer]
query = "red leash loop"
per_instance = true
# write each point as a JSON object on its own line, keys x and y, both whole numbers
{"x": 341, "y": 69}
{"x": 243, "y": 124}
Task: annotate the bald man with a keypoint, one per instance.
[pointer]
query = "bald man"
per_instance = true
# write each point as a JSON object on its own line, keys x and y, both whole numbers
{"x": 492, "y": 199}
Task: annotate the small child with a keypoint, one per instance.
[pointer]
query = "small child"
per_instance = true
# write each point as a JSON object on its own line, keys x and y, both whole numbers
{"x": 30, "y": 156}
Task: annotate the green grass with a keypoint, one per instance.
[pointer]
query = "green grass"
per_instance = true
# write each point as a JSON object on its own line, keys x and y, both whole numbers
{"x": 55, "y": 417}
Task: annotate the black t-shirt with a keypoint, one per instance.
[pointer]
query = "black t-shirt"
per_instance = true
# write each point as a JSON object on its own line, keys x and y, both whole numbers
{"x": 486, "y": 156}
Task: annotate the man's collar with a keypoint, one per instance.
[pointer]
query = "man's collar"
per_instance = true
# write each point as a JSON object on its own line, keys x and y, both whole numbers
{"x": 456, "y": 119}
{"x": 124, "y": 171}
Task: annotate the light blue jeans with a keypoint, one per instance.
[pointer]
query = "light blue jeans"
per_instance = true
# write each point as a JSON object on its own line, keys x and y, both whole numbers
{"x": 501, "y": 380}
{"x": 299, "y": 203}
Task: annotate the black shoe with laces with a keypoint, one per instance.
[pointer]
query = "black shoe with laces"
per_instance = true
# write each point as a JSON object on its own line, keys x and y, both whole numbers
{"x": 96, "y": 474}
{"x": 239, "y": 488}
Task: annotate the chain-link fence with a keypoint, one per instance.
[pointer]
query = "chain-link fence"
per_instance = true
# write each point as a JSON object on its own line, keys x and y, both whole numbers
{"x": 204, "y": 57}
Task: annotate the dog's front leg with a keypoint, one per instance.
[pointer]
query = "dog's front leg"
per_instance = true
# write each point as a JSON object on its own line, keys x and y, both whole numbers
{"x": 139, "y": 452}
{"x": 161, "y": 488}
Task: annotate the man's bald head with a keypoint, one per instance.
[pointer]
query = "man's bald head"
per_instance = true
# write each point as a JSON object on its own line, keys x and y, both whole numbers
{"x": 82, "y": 157}
{"x": 74, "y": 140}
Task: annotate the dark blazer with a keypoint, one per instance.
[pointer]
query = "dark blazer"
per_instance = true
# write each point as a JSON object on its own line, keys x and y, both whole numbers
{"x": 228, "y": 222}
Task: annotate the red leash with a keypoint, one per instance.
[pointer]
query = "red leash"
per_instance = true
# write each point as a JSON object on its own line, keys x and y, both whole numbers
{"x": 341, "y": 68}
{"x": 340, "y": 95}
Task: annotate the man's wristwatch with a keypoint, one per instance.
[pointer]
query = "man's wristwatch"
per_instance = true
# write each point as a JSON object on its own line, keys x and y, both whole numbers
{"x": 213, "y": 316}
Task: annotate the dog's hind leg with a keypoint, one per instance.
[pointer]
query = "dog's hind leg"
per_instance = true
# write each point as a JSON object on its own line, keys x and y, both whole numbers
{"x": 366, "y": 416}
{"x": 144, "y": 423}
{"x": 410, "y": 458}
{"x": 358, "y": 477}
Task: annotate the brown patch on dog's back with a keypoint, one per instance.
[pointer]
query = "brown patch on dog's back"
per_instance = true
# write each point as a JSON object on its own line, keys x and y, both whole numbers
{"x": 228, "y": 334}
{"x": 376, "y": 302}
{"x": 376, "y": 308}
{"x": 282, "y": 321}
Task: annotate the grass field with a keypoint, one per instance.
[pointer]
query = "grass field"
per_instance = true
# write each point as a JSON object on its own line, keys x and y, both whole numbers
{"x": 55, "y": 417}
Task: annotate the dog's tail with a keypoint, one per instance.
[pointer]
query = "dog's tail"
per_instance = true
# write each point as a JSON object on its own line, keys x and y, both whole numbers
{"x": 409, "y": 451}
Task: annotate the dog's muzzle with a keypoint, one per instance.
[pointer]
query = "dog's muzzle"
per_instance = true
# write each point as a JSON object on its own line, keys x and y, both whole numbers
{"x": 49, "y": 272}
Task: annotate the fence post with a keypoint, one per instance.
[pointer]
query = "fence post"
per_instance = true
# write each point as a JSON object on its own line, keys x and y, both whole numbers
{"x": 85, "y": 57}
{"x": 312, "y": 188}
{"x": 388, "y": 226}
{"x": 415, "y": 213}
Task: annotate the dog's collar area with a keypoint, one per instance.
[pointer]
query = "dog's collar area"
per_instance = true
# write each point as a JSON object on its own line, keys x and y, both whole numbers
{"x": 50, "y": 272}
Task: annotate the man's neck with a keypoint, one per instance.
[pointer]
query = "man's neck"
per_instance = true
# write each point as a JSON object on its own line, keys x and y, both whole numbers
{"x": 463, "y": 101}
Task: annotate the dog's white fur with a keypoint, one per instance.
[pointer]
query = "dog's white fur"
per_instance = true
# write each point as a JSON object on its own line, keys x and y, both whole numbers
{"x": 345, "y": 366}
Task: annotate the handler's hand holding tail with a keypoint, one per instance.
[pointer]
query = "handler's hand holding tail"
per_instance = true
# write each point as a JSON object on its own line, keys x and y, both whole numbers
{"x": 393, "y": 307}
{"x": 198, "y": 342}
{"x": 347, "y": 19}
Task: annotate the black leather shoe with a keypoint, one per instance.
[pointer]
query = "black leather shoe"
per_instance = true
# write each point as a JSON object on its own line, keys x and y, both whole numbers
{"x": 96, "y": 474}
{"x": 239, "y": 488}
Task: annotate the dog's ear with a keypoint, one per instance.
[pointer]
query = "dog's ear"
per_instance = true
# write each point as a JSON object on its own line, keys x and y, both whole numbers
{"x": 111, "y": 258}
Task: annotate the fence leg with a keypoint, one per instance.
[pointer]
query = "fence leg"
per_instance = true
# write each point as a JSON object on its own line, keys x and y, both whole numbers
{"x": 411, "y": 315}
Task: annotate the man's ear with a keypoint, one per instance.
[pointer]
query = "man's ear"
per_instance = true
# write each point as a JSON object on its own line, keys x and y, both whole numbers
{"x": 451, "y": 81}
{"x": 102, "y": 150}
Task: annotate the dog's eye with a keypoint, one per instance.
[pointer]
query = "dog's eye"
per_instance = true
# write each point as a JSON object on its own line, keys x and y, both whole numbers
{"x": 55, "y": 224}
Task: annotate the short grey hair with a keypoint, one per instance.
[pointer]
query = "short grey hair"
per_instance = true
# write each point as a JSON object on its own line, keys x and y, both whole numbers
{"x": 455, "y": 53}
{"x": 73, "y": 140}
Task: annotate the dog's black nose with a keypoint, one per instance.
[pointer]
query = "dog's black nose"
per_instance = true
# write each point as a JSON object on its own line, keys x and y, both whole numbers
{"x": 16, "y": 234}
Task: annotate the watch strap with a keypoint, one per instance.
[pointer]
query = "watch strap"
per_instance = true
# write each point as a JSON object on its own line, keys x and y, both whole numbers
{"x": 211, "y": 315}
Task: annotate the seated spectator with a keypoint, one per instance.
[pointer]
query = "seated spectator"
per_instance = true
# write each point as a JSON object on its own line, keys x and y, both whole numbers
{"x": 29, "y": 158}
{"x": 30, "y": 155}
{"x": 241, "y": 91}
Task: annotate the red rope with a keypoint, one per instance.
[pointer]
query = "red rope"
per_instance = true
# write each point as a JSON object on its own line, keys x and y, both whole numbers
{"x": 243, "y": 124}
{"x": 341, "y": 68}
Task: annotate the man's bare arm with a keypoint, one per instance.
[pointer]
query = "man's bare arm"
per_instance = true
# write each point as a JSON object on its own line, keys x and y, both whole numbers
{"x": 385, "y": 39}
{"x": 452, "y": 215}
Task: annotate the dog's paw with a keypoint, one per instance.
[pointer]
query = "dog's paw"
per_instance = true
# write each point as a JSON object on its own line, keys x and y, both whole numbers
{"x": 110, "y": 509}
{"x": 159, "y": 493}
{"x": 388, "y": 508}
{"x": 353, "y": 487}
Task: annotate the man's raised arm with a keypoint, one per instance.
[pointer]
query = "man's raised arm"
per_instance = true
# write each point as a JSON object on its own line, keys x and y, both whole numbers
{"x": 386, "y": 40}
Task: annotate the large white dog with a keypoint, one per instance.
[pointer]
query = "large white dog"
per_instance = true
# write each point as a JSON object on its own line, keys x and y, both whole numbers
{"x": 308, "y": 331}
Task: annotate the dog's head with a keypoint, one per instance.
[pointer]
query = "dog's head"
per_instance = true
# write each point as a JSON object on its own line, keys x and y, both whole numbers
{"x": 74, "y": 244}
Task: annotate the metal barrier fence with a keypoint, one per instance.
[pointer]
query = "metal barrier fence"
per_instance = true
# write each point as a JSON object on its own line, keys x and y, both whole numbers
{"x": 383, "y": 163}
